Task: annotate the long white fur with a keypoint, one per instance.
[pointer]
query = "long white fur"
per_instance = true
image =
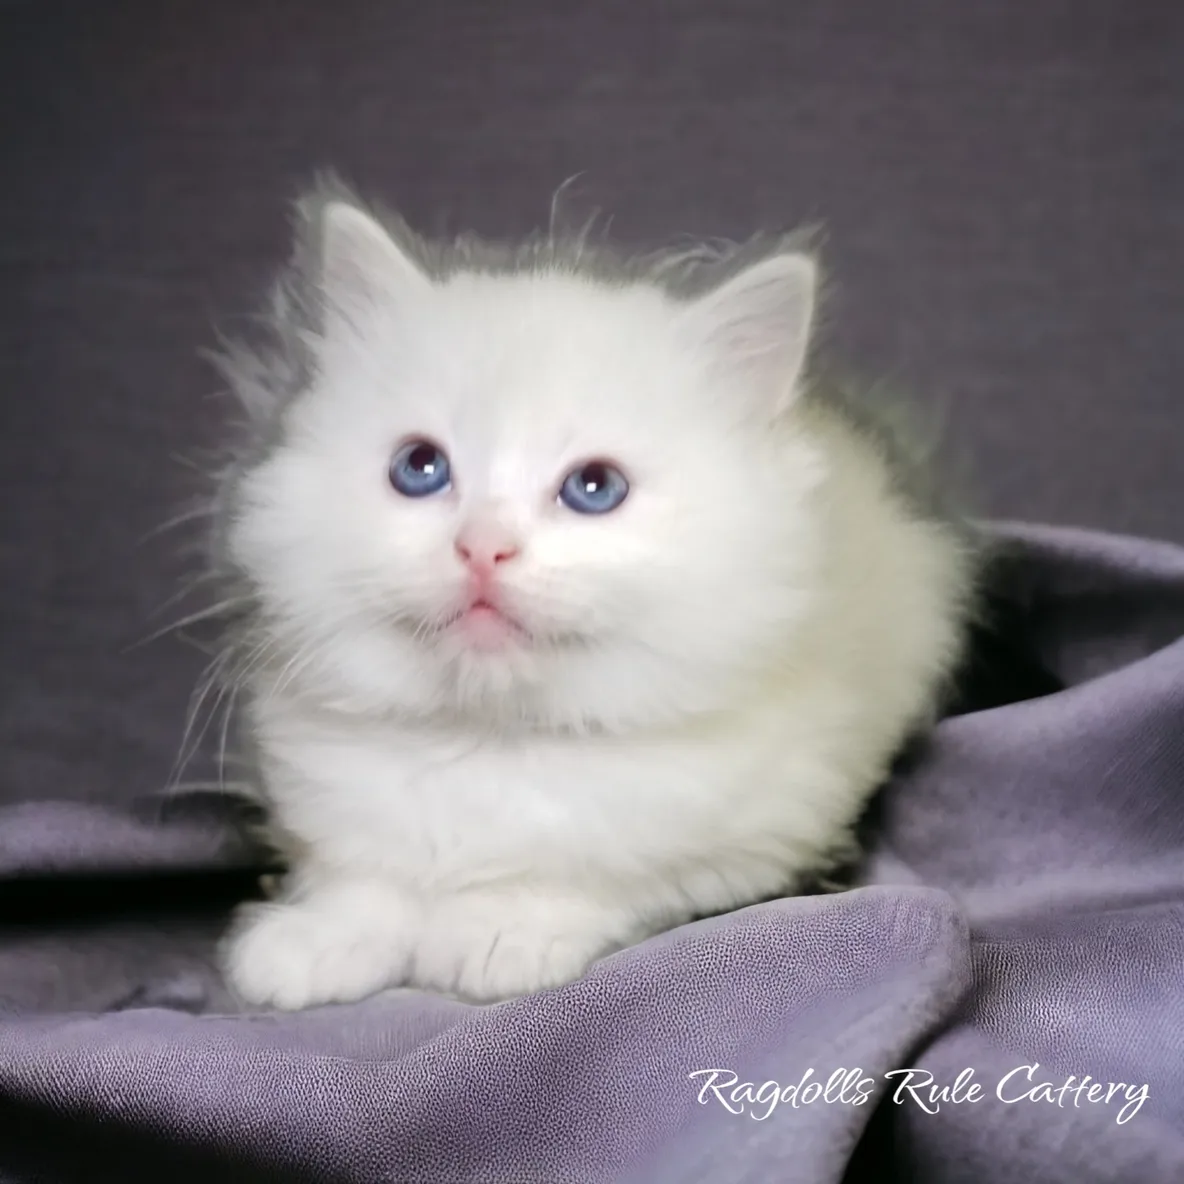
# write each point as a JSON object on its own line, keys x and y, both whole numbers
{"x": 720, "y": 673}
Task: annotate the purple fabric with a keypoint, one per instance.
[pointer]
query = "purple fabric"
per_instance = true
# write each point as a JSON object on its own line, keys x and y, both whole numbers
{"x": 1023, "y": 904}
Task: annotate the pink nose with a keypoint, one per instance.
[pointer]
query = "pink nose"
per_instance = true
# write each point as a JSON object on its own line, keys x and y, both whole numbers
{"x": 485, "y": 546}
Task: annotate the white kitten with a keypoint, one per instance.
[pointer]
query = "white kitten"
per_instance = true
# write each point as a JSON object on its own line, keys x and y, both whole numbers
{"x": 572, "y": 611}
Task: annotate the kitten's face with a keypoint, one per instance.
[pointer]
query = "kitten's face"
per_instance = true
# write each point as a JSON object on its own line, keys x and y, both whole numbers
{"x": 526, "y": 496}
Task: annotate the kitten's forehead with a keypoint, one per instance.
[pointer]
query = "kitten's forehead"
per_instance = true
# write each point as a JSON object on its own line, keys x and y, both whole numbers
{"x": 519, "y": 375}
{"x": 548, "y": 347}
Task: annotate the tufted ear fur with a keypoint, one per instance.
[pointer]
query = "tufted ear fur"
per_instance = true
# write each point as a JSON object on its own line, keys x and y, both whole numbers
{"x": 757, "y": 325}
{"x": 361, "y": 267}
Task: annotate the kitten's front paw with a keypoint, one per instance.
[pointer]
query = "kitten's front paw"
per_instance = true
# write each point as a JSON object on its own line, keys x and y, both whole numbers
{"x": 490, "y": 947}
{"x": 337, "y": 946}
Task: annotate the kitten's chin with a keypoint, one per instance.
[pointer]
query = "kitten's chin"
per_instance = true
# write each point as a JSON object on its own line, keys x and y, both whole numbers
{"x": 484, "y": 629}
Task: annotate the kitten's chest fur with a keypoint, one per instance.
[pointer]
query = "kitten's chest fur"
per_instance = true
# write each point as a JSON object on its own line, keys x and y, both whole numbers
{"x": 444, "y": 811}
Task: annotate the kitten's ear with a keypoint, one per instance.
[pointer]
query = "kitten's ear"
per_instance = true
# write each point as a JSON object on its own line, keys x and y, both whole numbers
{"x": 361, "y": 267}
{"x": 757, "y": 324}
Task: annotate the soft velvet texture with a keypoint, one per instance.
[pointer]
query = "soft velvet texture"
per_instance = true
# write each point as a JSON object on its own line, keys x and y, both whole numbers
{"x": 1002, "y": 188}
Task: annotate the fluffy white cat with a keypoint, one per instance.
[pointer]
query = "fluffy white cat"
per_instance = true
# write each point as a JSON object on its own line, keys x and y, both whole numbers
{"x": 571, "y": 609}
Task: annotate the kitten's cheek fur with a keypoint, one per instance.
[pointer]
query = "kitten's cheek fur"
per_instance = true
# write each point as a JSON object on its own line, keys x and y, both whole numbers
{"x": 336, "y": 945}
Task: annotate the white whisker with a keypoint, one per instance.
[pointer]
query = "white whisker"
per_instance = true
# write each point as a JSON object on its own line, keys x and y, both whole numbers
{"x": 209, "y": 613}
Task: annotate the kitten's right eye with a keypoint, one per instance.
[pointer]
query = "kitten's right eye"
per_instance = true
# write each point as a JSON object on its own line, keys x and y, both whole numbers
{"x": 594, "y": 488}
{"x": 420, "y": 469}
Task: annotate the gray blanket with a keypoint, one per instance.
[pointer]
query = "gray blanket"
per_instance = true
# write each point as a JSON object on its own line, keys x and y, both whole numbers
{"x": 999, "y": 997}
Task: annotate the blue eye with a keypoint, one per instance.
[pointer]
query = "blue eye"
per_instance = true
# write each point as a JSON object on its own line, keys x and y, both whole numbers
{"x": 594, "y": 488}
{"x": 420, "y": 469}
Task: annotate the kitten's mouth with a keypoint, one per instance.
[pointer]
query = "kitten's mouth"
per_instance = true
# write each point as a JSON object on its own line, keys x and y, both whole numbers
{"x": 485, "y": 626}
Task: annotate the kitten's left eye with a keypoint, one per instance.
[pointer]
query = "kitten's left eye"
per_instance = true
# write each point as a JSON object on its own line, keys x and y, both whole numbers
{"x": 594, "y": 488}
{"x": 420, "y": 469}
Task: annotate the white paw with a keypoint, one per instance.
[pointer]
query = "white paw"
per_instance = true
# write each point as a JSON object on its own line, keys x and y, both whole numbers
{"x": 495, "y": 946}
{"x": 336, "y": 946}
